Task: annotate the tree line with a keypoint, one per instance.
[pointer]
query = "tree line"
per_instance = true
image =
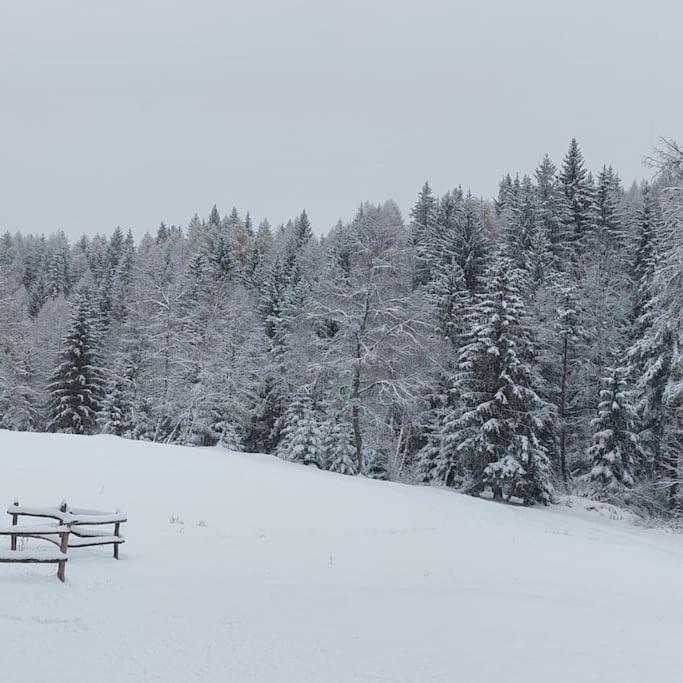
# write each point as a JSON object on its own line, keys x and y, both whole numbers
{"x": 510, "y": 348}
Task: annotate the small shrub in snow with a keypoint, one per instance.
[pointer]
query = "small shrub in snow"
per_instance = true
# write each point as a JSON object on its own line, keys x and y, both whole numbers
{"x": 338, "y": 450}
{"x": 300, "y": 438}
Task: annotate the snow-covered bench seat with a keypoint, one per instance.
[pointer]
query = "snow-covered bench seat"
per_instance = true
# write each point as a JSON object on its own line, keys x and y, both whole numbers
{"x": 78, "y": 520}
{"x": 55, "y": 533}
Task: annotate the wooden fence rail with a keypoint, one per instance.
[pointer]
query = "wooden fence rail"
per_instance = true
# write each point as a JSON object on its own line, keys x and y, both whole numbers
{"x": 38, "y": 555}
{"x": 79, "y": 521}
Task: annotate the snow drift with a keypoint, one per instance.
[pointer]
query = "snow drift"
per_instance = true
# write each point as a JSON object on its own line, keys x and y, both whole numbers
{"x": 244, "y": 568}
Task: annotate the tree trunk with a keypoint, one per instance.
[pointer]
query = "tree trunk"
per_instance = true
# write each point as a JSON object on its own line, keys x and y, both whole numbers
{"x": 355, "y": 383}
{"x": 674, "y": 466}
{"x": 563, "y": 408}
{"x": 355, "y": 408}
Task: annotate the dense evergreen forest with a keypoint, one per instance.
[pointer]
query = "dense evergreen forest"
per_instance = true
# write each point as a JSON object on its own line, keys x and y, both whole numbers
{"x": 514, "y": 348}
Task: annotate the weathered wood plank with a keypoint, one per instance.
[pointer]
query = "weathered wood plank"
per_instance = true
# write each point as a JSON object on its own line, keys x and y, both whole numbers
{"x": 68, "y": 516}
{"x": 14, "y": 522}
{"x": 64, "y": 546}
{"x": 30, "y": 529}
{"x": 116, "y": 545}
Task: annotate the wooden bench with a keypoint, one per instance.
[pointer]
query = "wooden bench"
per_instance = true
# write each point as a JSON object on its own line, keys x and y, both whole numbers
{"x": 38, "y": 555}
{"x": 78, "y": 521}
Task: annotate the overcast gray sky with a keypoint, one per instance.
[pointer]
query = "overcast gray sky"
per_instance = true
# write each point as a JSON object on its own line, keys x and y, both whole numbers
{"x": 132, "y": 112}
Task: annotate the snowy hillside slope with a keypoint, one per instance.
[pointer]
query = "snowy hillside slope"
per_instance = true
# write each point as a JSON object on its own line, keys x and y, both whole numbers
{"x": 288, "y": 574}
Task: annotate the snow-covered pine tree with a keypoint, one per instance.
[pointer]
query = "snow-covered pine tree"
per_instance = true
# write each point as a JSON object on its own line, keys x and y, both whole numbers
{"x": 77, "y": 384}
{"x": 19, "y": 402}
{"x": 671, "y": 478}
{"x": 300, "y": 439}
{"x": 300, "y": 236}
{"x": 260, "y": 255}
{"x": 498, "y": 433}
{"x": 472, "y": 244}
{"x": 283, "y": 277}
{"x": 450, "y": 297}
{"x": 227, "y": 434}
{"x": 114, "y": 250}
{"x": 552, "y": 211}
{"x": 272, "y": 292}
{"x": 7, "y": 250}
{"x": 605, "y": 285}
{"x": 37, "y": 296}
{"x": 505, "y": 194}
{"x": 563, "y": 355}
{"x": 267, "y": 416}
{"x": 651, "y": 360}
{"x": 579, "y": 194}
{"x": 19, "y": 399}
{"x": 610, "y": 232}
{"x": 440, "y": 256}
{"x": 376, "y": 465}
{"x": 339, "y": 454}
{"x": 144, "y": 421}
{"x": 542, "y": 264}
{"x": 218, "y": 248}
{"x": 519, "y": 224}
{"x": 661, "y": 348}
{"x": 422, "y": 218}
{"x": 34, "y": 255}
{"x": 56, "y": 276}
{"x": 438, "y": 461}
{"x": 242, "y": 237}
{"x": 122, "y": 281}
{"x": 645, "y": 255}
{"x": 651, "y": 353}
{"x": 614, "y": 450}
{"x": 281, "y": 295}
{"x": 116, "y": 413}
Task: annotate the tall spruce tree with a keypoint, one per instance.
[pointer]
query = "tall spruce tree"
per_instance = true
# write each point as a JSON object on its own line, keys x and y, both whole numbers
{"x": 498, "y": 434}
{"x": 77, "y": 384}
{"x": 661, "y": 380}
{"x": 610, "y": 232}
{"x": 441, "y": 256}
{"x": 519, "y": 225}
{"x": 645, "y": 255}
{"x": 579, "y": 194}
{"x": 472, "y": 244}
{"x": 615, "y": 443}
{"x": 552, "y": 210}
{"x": 422, "y": 219}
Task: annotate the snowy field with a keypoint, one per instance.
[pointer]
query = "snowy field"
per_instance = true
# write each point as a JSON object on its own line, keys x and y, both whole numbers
{"x": 275, "y": 572}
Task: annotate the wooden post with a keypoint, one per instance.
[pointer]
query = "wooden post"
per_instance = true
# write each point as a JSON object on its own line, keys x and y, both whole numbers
{"x": 15, "y": 517}
{"x": 116, "y": 545}
{"x": 63, "y": 546}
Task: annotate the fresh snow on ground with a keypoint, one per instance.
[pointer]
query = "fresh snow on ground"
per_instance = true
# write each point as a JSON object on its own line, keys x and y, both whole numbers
{"x": 243, "y": 568}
